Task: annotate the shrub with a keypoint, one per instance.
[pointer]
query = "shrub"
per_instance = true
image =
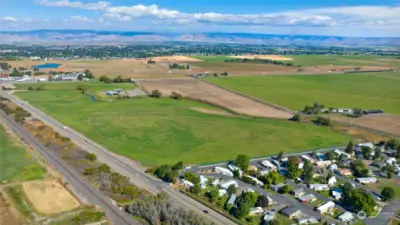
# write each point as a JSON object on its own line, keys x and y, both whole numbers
{"x": 156, "y": 93}
{"x": 91, "y": 157}
{"x": 176, "y": 96}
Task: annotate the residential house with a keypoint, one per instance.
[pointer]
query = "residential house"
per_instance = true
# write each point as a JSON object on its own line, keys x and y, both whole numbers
{"x": 333, "y": 167}
{"x": 343, "y": 110}
{"x": 306, "y": 158}
{"x": 187, "y": 183}
{"x": 344, "y": 172}
{"x": 231, "y": 200}
{"x": 328, "y": 206}
{"x": 226, "y": 184}
{"x": 248, "y": 190}
{"x": 269, "y": 216}
{"x": 378, "y": 164}
{"x": 233, "y": 168}
{"x": 332, "y": 181}
{"x": 346, "y": 217}
{"x": 307, "y": 220}
{"x": 256, "y": 211}
{"x": 373, "y": 111}
{"x": 291, "y": 212}
{"x": 258, "y": 182}
{"x": 298, "y": 192}
{"x": 346, "y": 163}
{"x": 319, "y": 187}
{"x": 215, "y": 182}
{"x": 391, "y": 161}
{"x": 267, "y": 164}
{"x": 339, "y": 152}
{"x": 321, "y": 156}
{"x": 307, "y": 198}
{"x": 223, "y": 171}
{"x": 366, "y": 180}
{"x": 323, "y": 164}
{"x": 277, "y": 187}
{"x": 252, "y": 168}
{"x": 336, "y": 195}
{"x": 203, "y": 181}
{"x": 221, "y": 192}
{"x": 366, "y": 144}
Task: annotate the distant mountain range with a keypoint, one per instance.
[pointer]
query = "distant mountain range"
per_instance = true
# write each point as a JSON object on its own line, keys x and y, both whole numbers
{"x": 132, "y": 37}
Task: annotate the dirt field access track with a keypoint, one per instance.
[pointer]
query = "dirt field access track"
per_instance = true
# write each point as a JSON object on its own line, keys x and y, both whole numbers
{"x": 196, "y": 89}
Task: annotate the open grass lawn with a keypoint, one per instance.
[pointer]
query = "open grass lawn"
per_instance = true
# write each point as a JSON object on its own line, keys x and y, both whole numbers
{"x": 344, "y": 60}
{"x": 394, "y": 183}
{"x": 15, "y": 163}
{"x": 364, "y": 90}
{"x": 156, "y": 131}
{"x": 220, "y": 58}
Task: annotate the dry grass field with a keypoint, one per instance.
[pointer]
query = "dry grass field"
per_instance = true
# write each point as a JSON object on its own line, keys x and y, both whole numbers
{"x": 271, "y": 57}
{"x": 385, "y": 122}
{"x": 49, "y": 197}
{"x": 175, "y": 58}
{"x": 8, "y": 214}
{"x": 124, "y": 67}
{"x": 200, "y": 90}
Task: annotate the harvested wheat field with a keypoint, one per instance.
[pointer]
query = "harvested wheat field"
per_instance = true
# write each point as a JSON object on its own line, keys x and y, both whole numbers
{"x": 124, "y": 67}
{"x": 175, "y": 58}
{"x": 49, "y": 197}
{"x": 384, "y": 122}
{"x": 196, "y": 89}
{"x": 271, "y": 57}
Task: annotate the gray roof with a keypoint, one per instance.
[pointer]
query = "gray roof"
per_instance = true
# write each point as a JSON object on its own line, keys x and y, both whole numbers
{"x": 232, "y": 199}
{"x": 290, "y": 210}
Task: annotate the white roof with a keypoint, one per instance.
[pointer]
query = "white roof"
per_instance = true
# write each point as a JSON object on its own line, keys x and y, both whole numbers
{"x": 203, "y": 179}
{"x": 187, "y": 183}
{"x": 228, "y": 183}
{"x": 327, "y": 205}
{"x": 267, "y": 163}
{"x": 366, "y": 178}
{"x": 221, "y": 192}
{"x": 318, "y": 185}
{"x": 346, "y": 216}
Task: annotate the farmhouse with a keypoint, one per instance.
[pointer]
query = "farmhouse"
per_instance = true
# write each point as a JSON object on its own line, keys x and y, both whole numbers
{"x": 326, "y": 207}
{"x": 291, "y": 212}
{"x": 267, "y": 164}
{"x": 226, "y": 184}
{"x": 322, "y": 164}
{"x": 223, "y": 171}
{"x": 319, "y": 187}
{"x": 346, "y": 217}
{"x": 366, "y": 180}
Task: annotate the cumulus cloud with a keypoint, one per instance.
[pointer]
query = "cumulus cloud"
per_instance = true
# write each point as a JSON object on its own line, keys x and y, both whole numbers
{"x": 75, "y": 4}
{"x": 367, "y": 16}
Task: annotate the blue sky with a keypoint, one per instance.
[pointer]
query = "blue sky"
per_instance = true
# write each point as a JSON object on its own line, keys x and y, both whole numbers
{"x": 334, "y": 17}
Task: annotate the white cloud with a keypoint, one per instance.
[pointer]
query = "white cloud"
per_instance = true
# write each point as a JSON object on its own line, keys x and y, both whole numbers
{"x": 76, "y": 4}
{"x": 8, "y": 19}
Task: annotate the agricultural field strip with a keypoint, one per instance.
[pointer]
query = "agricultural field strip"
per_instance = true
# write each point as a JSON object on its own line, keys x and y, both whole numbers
{"x": 122, "y": 165}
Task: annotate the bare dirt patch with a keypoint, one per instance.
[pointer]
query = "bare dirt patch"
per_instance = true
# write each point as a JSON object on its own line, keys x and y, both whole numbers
{"x": 49, "y": 197}
{"x": 9, "y": 215}
{"x": 196, "y": 89}
{"x": 175, "y": 58}
{"x": 211, "y": 111}
{"x": 271, "y": 57}
{"x": 386, "y": 123}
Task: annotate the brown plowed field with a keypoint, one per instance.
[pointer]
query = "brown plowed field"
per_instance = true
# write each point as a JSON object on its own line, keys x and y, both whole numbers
{"x": 196, "y": 89}
{"x": 383, "y": 122}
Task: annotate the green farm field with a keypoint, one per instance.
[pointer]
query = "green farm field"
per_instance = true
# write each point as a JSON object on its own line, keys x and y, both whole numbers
{"x": 157, "y": 131}
{"x": 15, "y": 163}
{"x": 364, "y": 90}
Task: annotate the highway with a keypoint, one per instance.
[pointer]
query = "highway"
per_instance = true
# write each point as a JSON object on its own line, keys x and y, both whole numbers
{"x": 122, "y": 165}
{"x": 74, "y": 179}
